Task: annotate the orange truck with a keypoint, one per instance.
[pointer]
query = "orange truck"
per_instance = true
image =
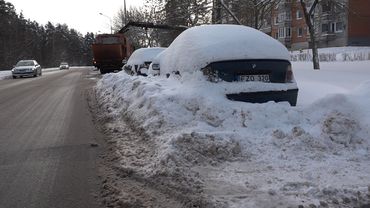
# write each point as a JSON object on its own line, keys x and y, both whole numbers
{"x": 110, "y": 52}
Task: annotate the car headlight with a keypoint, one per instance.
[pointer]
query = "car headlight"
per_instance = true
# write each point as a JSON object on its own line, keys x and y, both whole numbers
{"x": 212, "y": 75}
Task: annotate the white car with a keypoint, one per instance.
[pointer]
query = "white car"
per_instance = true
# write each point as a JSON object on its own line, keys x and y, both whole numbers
{"x": 139, "y": 61}
{"x": 26, "y": 68}
{"x": 154, "y": 68}
{"x": 63, "y": 65}
{"x": 257, "y": 66}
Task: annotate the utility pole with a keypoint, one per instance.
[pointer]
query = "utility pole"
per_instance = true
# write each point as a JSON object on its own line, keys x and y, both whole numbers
{"x": 110, "y": 22}
{"x": 125, "y": 11}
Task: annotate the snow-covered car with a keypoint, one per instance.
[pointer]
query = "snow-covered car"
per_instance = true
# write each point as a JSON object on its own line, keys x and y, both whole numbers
{"x": 63, "y": 65}
{"x": 257, "y": 66}
{"x": 139, "y": 61}
{"x": 26, "y": 68}
{"x": 154, "y": 68}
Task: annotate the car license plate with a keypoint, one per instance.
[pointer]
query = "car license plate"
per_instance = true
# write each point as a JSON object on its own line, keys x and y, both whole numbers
{"x": 255, "y": 78}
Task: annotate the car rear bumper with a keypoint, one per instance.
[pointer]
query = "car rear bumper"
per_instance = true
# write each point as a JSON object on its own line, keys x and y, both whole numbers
{"x": 266, "y": 96}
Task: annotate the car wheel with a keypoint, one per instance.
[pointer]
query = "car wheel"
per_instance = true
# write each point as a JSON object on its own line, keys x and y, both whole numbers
{"x": 14, "y": 77}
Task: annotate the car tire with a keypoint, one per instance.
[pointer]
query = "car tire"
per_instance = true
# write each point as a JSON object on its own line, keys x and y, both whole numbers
{"x": 14, "y": 77}
{"x": 103, "y": 71}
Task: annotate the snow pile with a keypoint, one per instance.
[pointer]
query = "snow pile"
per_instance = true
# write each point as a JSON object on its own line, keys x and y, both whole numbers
{"x": 242, "y": 154}
{"x": 5, "y": 75}
{"x": 190, "y": 51}
{"x": 334, "y": 54}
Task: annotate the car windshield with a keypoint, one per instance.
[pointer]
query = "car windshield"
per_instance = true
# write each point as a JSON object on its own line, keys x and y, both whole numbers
{"x": 63, "y": 63}
{"x": 25, "y": 63}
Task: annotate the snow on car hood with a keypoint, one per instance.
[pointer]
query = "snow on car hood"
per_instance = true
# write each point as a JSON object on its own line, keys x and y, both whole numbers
{"x": 144, "y": 54}
{"x": 196, "y": 47}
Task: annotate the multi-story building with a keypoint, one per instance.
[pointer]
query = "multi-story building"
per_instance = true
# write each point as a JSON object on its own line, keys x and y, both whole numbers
{"x": 336, "y": 23}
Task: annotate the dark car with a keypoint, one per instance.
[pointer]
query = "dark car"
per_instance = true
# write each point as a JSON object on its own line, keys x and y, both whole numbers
{"x": 256, "y": 65}
{"x": 26, "y": 68}
{"x": 267, "y": 71}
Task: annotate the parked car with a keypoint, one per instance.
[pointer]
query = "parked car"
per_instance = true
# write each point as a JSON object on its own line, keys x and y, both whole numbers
{"x": 63, "y": 65}
{"x": 154, "y": 68}
{"x": 26, "y": 68}
{"x": 257, "y": 65}
{"x": 139, "y": 61}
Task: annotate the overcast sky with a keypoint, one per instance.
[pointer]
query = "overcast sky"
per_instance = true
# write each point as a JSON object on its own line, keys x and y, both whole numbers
{"x": 82, "y": 15}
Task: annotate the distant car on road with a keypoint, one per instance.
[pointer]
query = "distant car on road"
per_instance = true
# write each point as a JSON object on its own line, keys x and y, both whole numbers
{"x": 139, "y": 61}
{"x": 252, "y": 66}
{"x": 26, "y": 68}
{"x": 64, "y": 65}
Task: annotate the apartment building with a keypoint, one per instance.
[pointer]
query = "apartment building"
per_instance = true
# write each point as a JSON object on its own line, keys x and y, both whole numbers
{"x": 336, "y": 23}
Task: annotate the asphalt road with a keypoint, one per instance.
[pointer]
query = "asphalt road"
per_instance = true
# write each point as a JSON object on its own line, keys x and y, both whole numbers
{"x": 46, "y": 132}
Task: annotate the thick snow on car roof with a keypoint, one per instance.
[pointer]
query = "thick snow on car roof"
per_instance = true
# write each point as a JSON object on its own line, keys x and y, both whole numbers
{"x": 196, "y": 47}
{"x": 144, "y": 54}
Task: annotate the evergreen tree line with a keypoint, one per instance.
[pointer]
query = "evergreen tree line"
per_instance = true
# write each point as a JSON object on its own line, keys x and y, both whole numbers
{"x": 48, "y": 44}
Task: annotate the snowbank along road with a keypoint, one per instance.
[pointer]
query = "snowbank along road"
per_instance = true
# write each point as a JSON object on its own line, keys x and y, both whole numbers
{"x": 46, "y": 134}
{"x": 182, "y": 138}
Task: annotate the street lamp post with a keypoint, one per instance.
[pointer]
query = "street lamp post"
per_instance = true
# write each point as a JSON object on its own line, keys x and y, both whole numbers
{"x": 125, "y": 11}
{"x": 110, "y": 22}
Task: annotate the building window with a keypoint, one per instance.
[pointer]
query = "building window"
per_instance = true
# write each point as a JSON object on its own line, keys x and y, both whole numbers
{"x": 282, "y": 17}
{"x": 282, "y": 32}
{"x": 299, "y": 14}
{"x": 287, "y": 32}
{"x": 288, "y": 16}
{"x": 338, "y": 27}
{"x": 326, "y": 7}
{"x": 324, "y": 28}
{"x": 299, "y": 32}
{"x": 276, "y": 20}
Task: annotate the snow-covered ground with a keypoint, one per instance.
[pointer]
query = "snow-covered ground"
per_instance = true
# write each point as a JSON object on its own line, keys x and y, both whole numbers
{"x": 5, "y": 74}
{"x": 334, "y": 77}
{"x": 252, "y": 155}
